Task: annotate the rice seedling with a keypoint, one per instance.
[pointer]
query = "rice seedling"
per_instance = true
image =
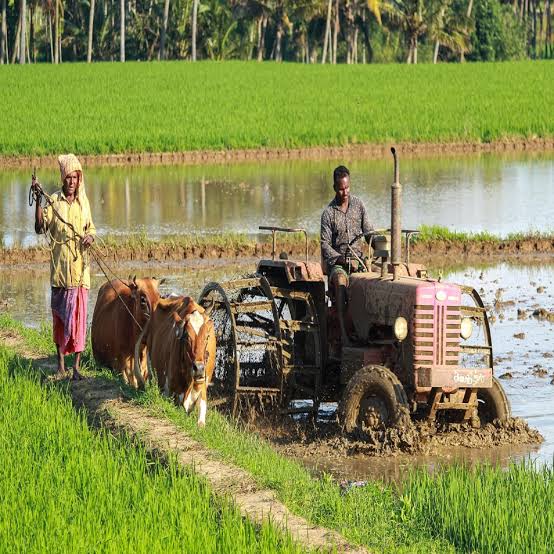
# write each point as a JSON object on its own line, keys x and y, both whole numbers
{"x": 436, "y": 233}
{"x": 65, "y": 488}
{"x": 175, "y": 106}
{"x": 486, "y": 509}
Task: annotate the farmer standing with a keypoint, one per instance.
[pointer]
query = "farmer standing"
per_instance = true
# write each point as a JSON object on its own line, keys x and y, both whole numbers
{"x": 342, "y": 220}
{"x": 67, "y": 222}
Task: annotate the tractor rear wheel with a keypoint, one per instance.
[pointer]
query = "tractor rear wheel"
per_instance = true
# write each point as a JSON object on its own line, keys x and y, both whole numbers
{"x": 373, "y": 399}
{"x": 493, "y": 403}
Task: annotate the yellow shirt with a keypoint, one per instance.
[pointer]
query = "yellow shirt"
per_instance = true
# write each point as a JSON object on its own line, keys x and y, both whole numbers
{"x": 68, "y": 267}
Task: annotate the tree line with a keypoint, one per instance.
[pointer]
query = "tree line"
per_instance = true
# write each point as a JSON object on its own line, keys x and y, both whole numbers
{"x": 308, "y": 31}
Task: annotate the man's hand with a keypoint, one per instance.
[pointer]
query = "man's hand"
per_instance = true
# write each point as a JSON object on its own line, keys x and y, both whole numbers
{"x": 35, "y": 187}
{"x": 87, "y": 241}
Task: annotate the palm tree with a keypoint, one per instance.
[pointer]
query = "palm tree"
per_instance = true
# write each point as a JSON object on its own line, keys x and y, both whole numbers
{"x": 468, "y": 16}
{"x": 336, "y": 28}
{"x": 353, "y": 17}
{"x": 194, "y": 25}
{"x": 258, "y": 12}
{"x": 57, "y": 31}
{"x": 414, "y": 17}
{"x": 327, "y": 39}
{"x": 23, "y": 32}
{"x": 161, "y": 55}
{"x": 451, "y": 30}
{"x": 122, "y": 31}
{"x": 219, "y": 23}
{"x": 4, "y": 34}
{"x": 90, "y": 31}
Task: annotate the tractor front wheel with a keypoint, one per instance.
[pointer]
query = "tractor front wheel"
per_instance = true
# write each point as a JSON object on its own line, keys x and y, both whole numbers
{"x": 493, "y": 403}
{"x": 373, "y": 399}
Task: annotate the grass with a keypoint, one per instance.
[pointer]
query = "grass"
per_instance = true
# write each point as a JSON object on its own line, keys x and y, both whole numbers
{"x": 65, "y": 488}
{"x": 456, "y": 509}
{"x": 176, "y": 106}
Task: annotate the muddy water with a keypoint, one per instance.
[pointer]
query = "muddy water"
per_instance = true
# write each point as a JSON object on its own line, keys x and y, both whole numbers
{"x": 523, "y": 348}
{"x": 502, "y": 194}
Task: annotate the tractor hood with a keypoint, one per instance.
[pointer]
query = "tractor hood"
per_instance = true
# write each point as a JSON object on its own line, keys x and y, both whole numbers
{"x": 381, "y": 301}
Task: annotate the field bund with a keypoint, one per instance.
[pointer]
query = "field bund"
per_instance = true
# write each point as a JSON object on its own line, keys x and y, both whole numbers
{"x": 175, "y": 107}
{"x": 433, "y": 246}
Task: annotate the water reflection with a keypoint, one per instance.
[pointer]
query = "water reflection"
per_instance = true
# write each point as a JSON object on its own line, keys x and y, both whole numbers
{"x": 499, "y": 194}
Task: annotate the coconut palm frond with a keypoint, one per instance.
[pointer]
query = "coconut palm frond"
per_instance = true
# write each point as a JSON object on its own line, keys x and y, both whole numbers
{"x": 374, "y": 7}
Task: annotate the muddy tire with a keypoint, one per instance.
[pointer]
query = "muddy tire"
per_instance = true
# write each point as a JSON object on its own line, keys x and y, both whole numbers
{"x": 493, "y": 403}
{"x": 373, "y": 399}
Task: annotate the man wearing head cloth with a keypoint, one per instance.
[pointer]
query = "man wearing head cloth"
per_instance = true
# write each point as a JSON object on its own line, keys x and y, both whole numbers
{"x": 68, "y": 224}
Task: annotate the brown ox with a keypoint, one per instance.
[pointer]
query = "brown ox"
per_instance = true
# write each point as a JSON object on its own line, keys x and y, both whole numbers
{"x": 182, "y": 347}
{"x": 120, "y": 306}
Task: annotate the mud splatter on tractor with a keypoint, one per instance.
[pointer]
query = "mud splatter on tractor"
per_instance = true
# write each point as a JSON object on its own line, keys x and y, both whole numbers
{"x": 419, "y": 347}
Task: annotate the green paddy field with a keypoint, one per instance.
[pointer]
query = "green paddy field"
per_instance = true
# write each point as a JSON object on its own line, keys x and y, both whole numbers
{"x": 176, "y": 106}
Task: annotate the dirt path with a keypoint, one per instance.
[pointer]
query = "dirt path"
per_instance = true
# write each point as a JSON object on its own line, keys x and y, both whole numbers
{"x": 374, "y": 151}
{"x": 103, "y": 401}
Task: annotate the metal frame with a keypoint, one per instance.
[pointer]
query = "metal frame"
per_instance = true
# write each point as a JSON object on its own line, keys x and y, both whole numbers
{"x": 274, "y": 230}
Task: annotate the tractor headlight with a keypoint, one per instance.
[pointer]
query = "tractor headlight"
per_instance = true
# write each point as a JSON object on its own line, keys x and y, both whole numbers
{"x": 466, "y": 328}
{"x": 400, "y": 328}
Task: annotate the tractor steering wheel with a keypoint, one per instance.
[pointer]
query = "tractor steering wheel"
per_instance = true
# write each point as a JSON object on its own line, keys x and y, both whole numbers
{"x": 349, "y": 250}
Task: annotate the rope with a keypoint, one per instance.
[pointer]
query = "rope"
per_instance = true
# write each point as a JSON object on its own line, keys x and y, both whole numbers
{"x": 38, "y": 195}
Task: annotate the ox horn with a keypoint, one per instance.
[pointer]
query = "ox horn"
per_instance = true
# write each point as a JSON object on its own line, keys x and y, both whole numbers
{"x": 209, "y": 309}
{"x": 179, "y": 328}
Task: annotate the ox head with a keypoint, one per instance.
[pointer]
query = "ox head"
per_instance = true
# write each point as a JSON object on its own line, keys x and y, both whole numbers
{"x": 195, "y": 330}
{"x": 145, "y": 295}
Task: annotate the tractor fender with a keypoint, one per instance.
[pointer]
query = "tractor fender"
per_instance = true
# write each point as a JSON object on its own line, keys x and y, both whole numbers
{"x": 492, "y": 403}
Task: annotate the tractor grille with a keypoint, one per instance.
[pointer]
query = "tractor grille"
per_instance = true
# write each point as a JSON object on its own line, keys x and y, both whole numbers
{"x": 436, "y": 335}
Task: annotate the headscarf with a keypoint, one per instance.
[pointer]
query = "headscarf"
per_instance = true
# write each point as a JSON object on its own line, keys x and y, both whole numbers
{"x": 68, "y": 164}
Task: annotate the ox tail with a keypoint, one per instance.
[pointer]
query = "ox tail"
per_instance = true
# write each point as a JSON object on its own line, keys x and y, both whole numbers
{"x": 136, "y": 366}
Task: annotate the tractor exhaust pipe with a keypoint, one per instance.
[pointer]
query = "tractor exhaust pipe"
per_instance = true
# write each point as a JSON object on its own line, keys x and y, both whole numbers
{"x": 396, "y": 208}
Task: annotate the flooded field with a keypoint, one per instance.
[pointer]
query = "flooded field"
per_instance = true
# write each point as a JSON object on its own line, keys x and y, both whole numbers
{"x": 523, "y": 350}
{"x": 501, "y": 194}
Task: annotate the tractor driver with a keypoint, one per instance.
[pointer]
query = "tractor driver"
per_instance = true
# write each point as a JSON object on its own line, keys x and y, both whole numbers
{"x": 342, "y": 220}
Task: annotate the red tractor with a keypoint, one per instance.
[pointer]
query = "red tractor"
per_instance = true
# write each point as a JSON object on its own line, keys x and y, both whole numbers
{"x": 418, "y": 346}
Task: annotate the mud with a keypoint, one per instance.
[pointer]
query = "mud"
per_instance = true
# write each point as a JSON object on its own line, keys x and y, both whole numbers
{"x": 543, "y": 313}
{"x": 438, "y": 253}
{"x": 375, "y": 151}
{"x": 13, "y": 340}
{"x": 326, "y": 439}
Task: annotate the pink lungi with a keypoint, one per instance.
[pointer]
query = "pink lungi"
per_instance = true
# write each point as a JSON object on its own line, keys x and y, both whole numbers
{"x": 69, "y": 313}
